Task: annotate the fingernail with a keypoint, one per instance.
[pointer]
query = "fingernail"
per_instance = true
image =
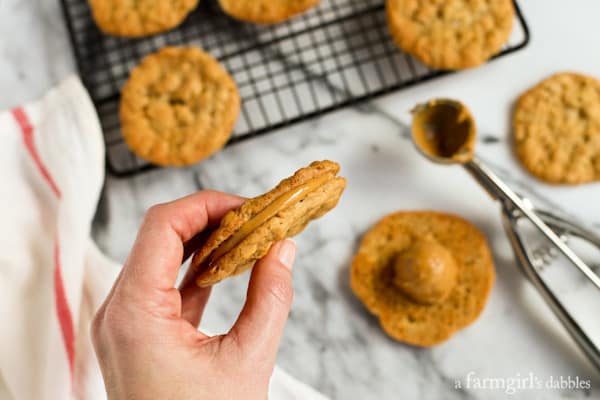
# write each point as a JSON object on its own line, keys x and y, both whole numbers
{"x": 287, "y": 253}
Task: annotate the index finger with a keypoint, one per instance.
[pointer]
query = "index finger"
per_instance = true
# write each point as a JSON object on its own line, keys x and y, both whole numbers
{"x": 155, "y": 259}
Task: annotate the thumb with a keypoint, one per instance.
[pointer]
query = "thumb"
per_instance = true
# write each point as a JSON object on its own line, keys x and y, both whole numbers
{"x": 262, "y": 320}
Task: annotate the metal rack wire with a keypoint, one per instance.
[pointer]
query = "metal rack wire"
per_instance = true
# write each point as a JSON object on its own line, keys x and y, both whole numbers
{"x": 335, "y": 55}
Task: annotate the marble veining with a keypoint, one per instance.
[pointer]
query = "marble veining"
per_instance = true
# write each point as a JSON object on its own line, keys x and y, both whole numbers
{"x": 331, "y": 342}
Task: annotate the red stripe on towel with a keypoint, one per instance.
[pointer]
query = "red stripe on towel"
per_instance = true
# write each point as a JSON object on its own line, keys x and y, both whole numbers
{"x": 27, "y": 131}
{"x": 63, "y": 311}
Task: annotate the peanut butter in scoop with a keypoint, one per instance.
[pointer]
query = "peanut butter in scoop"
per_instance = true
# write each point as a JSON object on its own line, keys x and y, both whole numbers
{"x": 444, "y": 130}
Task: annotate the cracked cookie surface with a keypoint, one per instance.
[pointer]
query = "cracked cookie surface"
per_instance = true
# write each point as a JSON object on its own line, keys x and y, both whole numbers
{"x": 372, "y": 276}
{"x": 266, "y": 11}
{"x": 556, "y": 128}
{"x": 286, "y": 222}
{"x": 139, "y": 17}
{"x": 178, "y": 107}
{"x": 450, "y": 34}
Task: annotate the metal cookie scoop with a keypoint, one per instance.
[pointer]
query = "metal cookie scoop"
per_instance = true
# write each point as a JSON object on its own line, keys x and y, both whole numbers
{"x": 444, "y": 131}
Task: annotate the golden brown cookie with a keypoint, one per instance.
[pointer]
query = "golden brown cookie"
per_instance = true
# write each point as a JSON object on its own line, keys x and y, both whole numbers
{"x": 556, "y": 128}
{"x": 178, "y": 107}
{"x": 425, "y": 274}
{"x": 246, "y": 234}
{"x": 266, "y": 11}
{"x": 450, "y": 34}
{"x": 139, "y": 17}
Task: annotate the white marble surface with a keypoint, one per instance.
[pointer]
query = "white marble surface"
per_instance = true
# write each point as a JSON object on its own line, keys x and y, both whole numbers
{"x": 330, "y": 341}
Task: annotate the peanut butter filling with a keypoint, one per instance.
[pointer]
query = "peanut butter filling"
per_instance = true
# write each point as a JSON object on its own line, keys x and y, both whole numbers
{"x": 425, "y": 272}
{"x": 284, "y": 201}
{"x": 444, "y": 129}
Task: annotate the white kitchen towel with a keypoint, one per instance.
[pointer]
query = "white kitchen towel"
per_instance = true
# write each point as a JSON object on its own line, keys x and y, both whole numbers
{"x": 52, "y": 275}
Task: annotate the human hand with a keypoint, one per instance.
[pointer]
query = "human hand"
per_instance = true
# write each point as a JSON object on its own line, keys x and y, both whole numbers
{"x": 145, "y": 333}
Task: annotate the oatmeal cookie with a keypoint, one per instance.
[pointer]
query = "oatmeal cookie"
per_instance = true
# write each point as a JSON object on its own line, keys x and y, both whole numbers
{"x": 266, "y": 11}
{"x": 178, "y": 107}
{"x": 425, "y": 274}
{"x": 140, "y": 17}
{"x": 556, "y": 127}
{"x": 450, "y": 34}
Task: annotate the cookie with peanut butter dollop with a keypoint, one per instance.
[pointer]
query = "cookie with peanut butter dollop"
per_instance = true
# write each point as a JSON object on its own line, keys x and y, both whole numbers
{"x": 247, "y": 233}
{"x": 425, "y": 274}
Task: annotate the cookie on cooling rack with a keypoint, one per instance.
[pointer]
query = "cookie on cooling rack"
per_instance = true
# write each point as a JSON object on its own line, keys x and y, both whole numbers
{"x": 246, "y": 234}
{"x": 266, "y": 11}
{"x": 140, "y": 17}
{"x": 425, "y": 274}
{"x": 178, "y": 107}
{"x": 556, "y": 128}
{"x": 450, "y": 34}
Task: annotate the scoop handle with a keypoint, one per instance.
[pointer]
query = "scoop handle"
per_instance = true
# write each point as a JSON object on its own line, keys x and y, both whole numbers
{"x": 524, "y": 257}
{"x": 512, "y": 201}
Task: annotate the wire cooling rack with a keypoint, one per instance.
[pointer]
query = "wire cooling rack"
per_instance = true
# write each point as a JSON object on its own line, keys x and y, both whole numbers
{"x": 335, "y": 55}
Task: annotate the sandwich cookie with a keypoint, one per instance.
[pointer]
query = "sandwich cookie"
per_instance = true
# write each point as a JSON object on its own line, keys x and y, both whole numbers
{"x": 246, "y": 234}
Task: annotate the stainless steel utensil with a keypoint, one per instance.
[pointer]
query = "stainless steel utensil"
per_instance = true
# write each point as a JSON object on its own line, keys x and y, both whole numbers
{"x": 516, "y": 209}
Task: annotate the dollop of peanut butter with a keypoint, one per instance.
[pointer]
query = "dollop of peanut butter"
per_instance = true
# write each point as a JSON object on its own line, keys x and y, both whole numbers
{"x": 287, "y": 199}
{"x": 425, "y": 272}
